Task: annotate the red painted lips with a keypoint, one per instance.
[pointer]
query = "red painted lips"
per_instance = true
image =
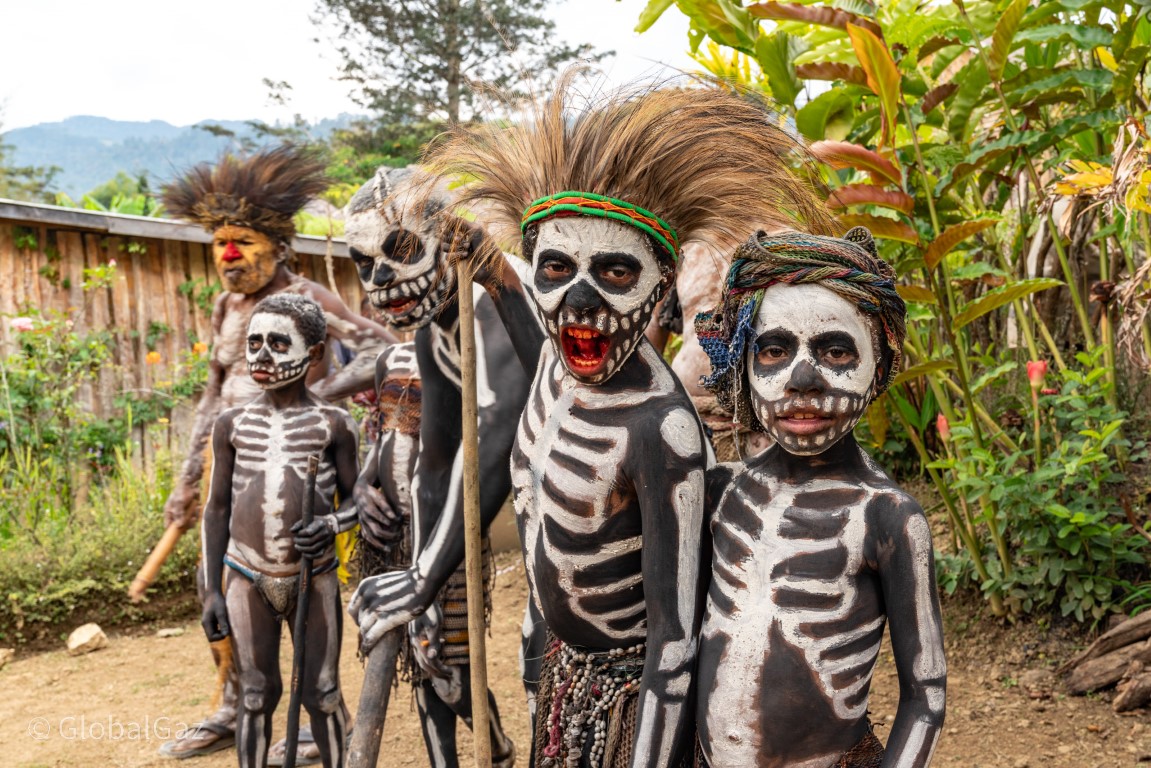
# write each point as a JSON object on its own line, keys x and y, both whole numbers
{"x": 584, "y": 348}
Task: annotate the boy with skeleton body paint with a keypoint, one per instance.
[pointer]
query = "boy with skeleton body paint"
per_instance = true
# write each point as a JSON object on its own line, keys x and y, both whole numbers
{"x": 260, "y": 457}
{"x": 399, "y": 230}
{"x": 609, "y": 460}
{"x": 248, "y": 204}
{"x": 814, "y": 546}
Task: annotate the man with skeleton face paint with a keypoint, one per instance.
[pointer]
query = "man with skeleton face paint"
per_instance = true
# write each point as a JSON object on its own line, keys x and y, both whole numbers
{"x": 608, "y": 465}
{"x": 814, "y": 547}
{"x": 254, "y": 535}
{"x": 248, "y": 204}
{"x": 400, "y": 230}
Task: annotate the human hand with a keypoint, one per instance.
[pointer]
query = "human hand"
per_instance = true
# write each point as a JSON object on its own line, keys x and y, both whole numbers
{"x": 468, "y": 242}
{"x": 425, "y": 632}
{"x": 181, "y": 506}
{"x": 315, "y": 538}
{"x": 380, "y": 525}
{"x": 214, "y": 620}
{"x": 385, "y": 602}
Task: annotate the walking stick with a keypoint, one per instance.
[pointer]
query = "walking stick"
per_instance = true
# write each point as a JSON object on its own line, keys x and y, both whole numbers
{"x": 301, "y": 625}
{"x": 379, "y": 674}
{"x": 151, "y": 567}
{"x": 473, "y": 542}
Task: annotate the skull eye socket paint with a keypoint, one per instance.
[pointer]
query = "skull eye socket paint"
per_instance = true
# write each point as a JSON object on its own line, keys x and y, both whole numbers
{"x": 277, "y": 353}
{"x": 596, "y": 285}
{"x": 812, "y": 367}
{"x": 399, "y": 268}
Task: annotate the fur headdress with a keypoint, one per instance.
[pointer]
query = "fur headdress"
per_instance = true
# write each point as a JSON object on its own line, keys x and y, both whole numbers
{"x": 849, "y": 266}
{"x": 703, "y": 161}
{"x": 263, "y": 191}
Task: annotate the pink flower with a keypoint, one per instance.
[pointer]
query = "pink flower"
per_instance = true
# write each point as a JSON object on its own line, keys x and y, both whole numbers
{"x": 1036, "y": 370}
{"x": 23, "y": 324}
{"x": 111, "y": 262}
{"x": 943, "y": 427}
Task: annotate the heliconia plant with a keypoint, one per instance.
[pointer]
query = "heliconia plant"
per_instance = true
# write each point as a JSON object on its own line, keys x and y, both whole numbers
{"x": 999, "y": 151}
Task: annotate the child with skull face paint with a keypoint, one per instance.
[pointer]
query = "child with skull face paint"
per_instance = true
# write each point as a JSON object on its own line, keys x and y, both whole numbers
{"x": 814, "y": 547}
{"x": 608, "y": 465}
{"x": 253, "y": 533}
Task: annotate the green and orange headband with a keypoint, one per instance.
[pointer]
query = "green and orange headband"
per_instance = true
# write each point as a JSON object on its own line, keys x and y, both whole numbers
{"x": 590, "y": 204}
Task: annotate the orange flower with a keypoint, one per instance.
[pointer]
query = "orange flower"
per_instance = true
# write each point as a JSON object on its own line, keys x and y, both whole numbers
{"x": 943, "y": 427}
{"x": 152, "y": 357}
{"x": 200, "y": 348}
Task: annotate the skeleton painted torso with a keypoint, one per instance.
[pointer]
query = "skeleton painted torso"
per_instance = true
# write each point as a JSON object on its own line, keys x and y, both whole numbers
{"x": 399, "y": 439}
{"x": 575, "y": 504}
{"x": 794, "y": 618}
{"x": 272, "y": 448}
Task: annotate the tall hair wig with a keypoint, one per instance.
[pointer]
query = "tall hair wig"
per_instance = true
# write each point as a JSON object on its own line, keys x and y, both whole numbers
{"x": 707, "y": 161}
{"x": 263, "y": 191}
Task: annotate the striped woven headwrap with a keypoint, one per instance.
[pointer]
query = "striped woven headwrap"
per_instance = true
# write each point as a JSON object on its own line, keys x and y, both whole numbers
{"x": 850, "y": 267}
{"x": 590, "y": 204}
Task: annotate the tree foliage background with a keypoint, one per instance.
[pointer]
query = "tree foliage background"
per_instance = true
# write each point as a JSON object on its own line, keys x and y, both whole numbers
{"x": 429, "y": 60}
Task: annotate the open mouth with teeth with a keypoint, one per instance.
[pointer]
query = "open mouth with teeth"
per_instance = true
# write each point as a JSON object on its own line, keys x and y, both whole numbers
{"x": 585, "y": 349}
{"x": 400, "y": 301}
{"x": 265, "y": 375}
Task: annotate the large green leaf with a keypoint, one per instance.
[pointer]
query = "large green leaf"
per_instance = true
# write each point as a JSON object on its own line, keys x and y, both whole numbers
{"x": 828, "y": 116}
{"x": 993, "y": 300}
{"x": 1005, "y": 30}
{"x": 1092, "y": 79}
{"x": 723, "y": 21}
{"x": 951, "y": 237}
{"x": 924, "y": 369}
{"x": 843, "y": 154}
{"x": 1032, "y": 142}
{"x": 882, "y": 76}
{"x": 1082, "y": 35}
{"x": 1129, "y": 68}
{"x": 651, "y": 14}
{"x": 774, "y": 53}
{"x": 972, "y": 79}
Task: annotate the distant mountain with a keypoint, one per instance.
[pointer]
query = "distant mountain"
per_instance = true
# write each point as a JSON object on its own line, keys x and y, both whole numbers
{"x": 91, "y": 150}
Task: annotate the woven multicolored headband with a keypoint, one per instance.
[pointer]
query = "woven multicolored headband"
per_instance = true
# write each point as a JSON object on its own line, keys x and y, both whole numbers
{"x": 590, "y": 204}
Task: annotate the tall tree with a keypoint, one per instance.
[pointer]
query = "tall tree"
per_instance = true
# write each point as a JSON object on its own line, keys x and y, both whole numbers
{"x": 423, "y": 60}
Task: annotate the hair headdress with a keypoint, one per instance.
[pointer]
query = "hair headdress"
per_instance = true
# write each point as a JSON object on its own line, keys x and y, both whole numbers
{"x": 263, "y": 191}
{"x": 679, "y": 163}
{"x": 849, "y": 266}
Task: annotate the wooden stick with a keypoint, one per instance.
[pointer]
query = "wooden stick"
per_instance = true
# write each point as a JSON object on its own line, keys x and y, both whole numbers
{"x": 379, "y": 675}
{"x": 301, "y": 625}
{"x": 473, "y": 541}
{"x": 151, "y": 567}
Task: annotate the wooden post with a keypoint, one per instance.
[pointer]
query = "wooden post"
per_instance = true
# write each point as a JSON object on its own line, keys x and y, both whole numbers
{"x": 473, "y": 541}
{"x": 379, "y": 674}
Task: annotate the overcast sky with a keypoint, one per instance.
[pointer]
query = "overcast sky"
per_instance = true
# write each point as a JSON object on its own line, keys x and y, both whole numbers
{"x": 184, "y": 62}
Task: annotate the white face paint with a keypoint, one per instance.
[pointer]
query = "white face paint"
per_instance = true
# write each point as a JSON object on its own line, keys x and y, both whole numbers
{"x": 811, "y": 368}
{"x": 397, "y": 252}
{"x": 277, "y": 354}
{"x": 596, "y": 283}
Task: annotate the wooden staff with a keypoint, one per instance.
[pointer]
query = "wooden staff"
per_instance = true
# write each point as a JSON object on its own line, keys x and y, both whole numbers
{"x": 473, "y": 542}
{"x": 379, "y": 674}
{"x": 151, "y": 567}
{"x": 301, "y": 625}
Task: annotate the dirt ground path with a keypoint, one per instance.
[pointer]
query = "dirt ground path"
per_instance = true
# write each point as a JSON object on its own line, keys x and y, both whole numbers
{"x": 115, "y": 707}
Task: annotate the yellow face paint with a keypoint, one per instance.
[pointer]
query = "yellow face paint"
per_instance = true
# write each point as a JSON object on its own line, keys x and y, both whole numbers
{"x": 246, "y": 260}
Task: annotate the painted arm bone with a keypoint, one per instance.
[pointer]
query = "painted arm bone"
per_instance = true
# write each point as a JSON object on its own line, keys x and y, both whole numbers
{"x": 215, "y": 535}
{"x": 907, "y": 576}
{"x": 671, "y": 492}
{"x": 362, "y": 336}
